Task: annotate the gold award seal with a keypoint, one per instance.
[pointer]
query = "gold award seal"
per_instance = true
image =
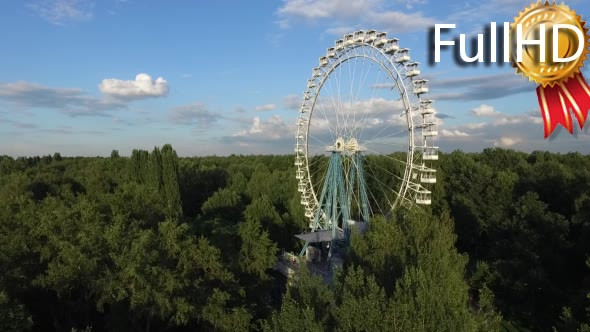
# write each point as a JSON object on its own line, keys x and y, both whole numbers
{"x": 561, "y": 85}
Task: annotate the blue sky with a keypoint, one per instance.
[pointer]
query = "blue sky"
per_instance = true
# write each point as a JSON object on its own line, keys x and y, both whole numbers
{"x": 85, "y": 77}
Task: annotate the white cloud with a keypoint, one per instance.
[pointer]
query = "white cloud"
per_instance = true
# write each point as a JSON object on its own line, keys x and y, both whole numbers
{"x": 71, "y": 101}
{"x": 292, "y": 102}
{"x": 485, "y": 111}
{"x": 518, "y": 131}
{"x": 397, "y": 21}
{"x": 473, "y": 126}
{"x": 453, "y": 133}
{"x": 341, "y": 14}
{"x": 142, "y": 87}
{"x": 507, "y": 141}
{"x": 475, "y": 11}
{"x": 265, "y": 107}
{"x": 484, "y": 87}
{"x": 273, "y": 128}
{"x": 340, "y": 30}
{"x": 317, "y": 9}
{"x": 411, "y": 3}
{"x": 194, "y": 114}
{"x": 60, "y": 12}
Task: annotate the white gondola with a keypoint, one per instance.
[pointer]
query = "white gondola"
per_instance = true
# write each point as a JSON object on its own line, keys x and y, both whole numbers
{"x": 298, "y": 149}
{"x": 299, "y": 134}
{"x": 306, "y": 95}
{"x": 299, "y": 175}
{"x": 370, "y": 36}
{"x": 310, "y": 84}
{"x": 302, "y": 122}
{"x": 305, "y": 198}
{"x": 299, "y": 162}
{"x": 430, "y": 130}
{"x": 412, "y": 69}
{"x": 423, "y": 197}
{"x": 323, "y": 61}
{"x": 426, "y": 107}
{"x": 420, "y": 86}
{"x": 430, "y": 153}
{"x": 380, "y": 39}
{"x": 392, "y": 46}
{"x": 429, "y": 119}
{"x": 339, "y": 45}
{"x": 301, "y": 187}
{"x": 359, "y": 36}
{"x": 428, "y": 175}
{"x": 348, "y": 39}
{"x": 402, "y": 55}
{"x": 331, "y": 52}
{"x": 309, "y": 214}
{"x": 317, "y": 72}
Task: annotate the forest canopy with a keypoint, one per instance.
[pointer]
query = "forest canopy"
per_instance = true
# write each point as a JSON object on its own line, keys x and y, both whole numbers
{"x": 155, "y": 242}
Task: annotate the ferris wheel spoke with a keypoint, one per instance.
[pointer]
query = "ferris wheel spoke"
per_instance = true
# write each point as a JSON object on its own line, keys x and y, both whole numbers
{"x": 388, "y": 144}
{"x": 390, "y": 173}
{"x": 335, "y": 107}
{"x": 333, "y": 132}
{"x": 362, "y": 120}
{"x": 382, "y": 185}
{"x": 383, "y": 212}
{"x": 351, "y": 92}
{"x": 354, "y": 128}
{"x": 323, "y": 143}
{"x": 353, "y": 100}
{"x": 384, "y": 129}
{"x": 358, "y": 188}
{"x": 373, "y": 139}
{"x": 396, "y": 84}
{"x": 403, "y": 162}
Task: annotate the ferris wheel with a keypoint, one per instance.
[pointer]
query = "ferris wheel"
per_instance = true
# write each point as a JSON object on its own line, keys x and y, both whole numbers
{"x": 365, "y": 135}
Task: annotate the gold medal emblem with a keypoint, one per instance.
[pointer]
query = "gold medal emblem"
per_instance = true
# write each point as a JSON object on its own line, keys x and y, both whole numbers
{"x": 549, "y": 73}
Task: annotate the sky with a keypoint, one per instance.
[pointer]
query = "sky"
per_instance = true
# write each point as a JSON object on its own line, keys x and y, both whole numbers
{"x": 84, "y": 77}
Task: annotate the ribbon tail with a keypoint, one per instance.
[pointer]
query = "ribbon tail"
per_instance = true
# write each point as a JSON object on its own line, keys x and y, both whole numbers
{"x": 554, "y": 109}
{"x": 577, "y": 95}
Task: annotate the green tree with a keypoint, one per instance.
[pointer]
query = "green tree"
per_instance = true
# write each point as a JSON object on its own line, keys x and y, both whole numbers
{"x": 258, "y": 252}
{"x": 361, "y": 305}
{"x": 13, "y": 316}
{"x": 307, "y": 305}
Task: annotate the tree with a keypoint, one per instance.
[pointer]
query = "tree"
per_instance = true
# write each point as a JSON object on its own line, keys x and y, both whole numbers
{"x": 258, "y": 252}
{"x": 263, "y": 212}
{"x": 414, "y": 259}
{"x": 222, "y": 319}
{"x": 225, "y": 204}
{"x": 13, "y": 316}
{"x": 361, "y": 304}
{"x": 307, "y": 305}
{"x": 170, "y": 181}
{"x": 163, "y": 275}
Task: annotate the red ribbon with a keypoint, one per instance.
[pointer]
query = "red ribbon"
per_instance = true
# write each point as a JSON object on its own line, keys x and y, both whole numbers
{"x": 557, "y": 101}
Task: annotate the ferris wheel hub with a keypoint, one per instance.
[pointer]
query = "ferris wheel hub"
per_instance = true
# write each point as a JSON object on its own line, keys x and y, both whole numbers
{"x": 348, "y": 146}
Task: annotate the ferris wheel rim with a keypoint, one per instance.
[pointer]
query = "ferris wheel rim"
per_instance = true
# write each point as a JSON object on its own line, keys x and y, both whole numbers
{"x": 306, "y": 180}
